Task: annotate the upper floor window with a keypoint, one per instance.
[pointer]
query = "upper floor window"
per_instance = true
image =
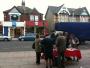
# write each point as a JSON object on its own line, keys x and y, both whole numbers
{"x": 33, "y": 17}
{"x": 14, "y": 17}
{"x": 36, "y": 18}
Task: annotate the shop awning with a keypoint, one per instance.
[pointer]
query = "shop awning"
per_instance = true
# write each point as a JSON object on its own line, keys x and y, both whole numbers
{"x": 39, "y": 23}
{"x": 30, "y": 23}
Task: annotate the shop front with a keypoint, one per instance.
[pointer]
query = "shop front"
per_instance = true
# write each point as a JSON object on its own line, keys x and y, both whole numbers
{"x": 38, "y": 26}
{"x": 13, "y": 31}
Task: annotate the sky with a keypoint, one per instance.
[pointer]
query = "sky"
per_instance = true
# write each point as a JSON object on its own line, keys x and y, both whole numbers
{"x": 42, "y": 5}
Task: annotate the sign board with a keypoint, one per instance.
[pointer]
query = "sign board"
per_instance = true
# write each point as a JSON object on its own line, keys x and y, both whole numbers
{"x": 14, "y": 24}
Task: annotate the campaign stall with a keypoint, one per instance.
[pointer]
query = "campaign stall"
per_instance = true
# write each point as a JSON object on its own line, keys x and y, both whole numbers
{"x": 73, "y": 54}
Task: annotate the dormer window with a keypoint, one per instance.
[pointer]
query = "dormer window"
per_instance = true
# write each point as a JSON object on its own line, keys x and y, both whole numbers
{"x": 63, "y": 11}
{"x": 84, "y": 12}
{"x": 14, "y": 17}
{"x": 14, "y": 14}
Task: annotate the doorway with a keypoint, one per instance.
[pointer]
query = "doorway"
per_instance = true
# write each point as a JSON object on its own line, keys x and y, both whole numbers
{"x": 17, "y": 32}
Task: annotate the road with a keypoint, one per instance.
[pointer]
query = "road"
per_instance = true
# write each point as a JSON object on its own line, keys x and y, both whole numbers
{"x": 16, "y": 45}
{"x": 16, "y": 54}
{"x": 7, "y": 46}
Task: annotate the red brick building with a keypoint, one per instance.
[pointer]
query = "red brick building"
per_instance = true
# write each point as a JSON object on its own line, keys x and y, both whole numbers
{"x": 1, "y": 28}
{"x": 33, "y": 18}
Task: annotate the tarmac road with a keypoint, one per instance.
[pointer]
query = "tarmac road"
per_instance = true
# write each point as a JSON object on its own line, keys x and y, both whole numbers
{"x": 15, "y": 45}
{"x": 12, "y": 57}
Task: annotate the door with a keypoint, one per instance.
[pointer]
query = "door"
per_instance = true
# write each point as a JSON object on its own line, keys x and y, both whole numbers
{"x": 5, "y": 31}
{"x": 17, "y": 32}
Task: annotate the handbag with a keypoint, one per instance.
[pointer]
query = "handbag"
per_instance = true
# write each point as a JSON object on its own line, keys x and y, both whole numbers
{"x": 33, "y": 45}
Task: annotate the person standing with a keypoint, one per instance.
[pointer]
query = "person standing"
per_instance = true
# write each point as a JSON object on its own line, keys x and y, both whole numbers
{"x": 53, "y": 37}
{"x": 67, "y": 35}
{"x": 61, "y": 46}
{"x": 74, "y": 41}
{"x": 37, "y": 49}
{"x": 55, "y": 56}
{"x": 47, "y": 49}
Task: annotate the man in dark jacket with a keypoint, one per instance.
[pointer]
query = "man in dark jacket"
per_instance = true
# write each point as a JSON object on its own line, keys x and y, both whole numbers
{"x": 53, "y": 37}
{"x": 47, "y": 48}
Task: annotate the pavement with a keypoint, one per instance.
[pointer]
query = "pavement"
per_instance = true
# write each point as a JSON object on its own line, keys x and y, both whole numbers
{"x": 14, "y": 38}
{"x": 26, "y": 59}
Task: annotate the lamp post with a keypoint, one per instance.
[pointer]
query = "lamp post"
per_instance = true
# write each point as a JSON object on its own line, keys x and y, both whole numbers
{"x": 36, "y": 23}
{"x": 35, "y": 27}
{"x": 24, "y": 28}
{"x": 43, "y": 28}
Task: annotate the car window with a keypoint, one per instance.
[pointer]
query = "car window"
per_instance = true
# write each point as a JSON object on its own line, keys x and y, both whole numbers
{"x": 27, "y": 36}
{"x": 30, "y": 34}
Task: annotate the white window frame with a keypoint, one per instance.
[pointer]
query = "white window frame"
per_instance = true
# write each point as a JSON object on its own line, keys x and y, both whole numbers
{"x": 34, "y": 17}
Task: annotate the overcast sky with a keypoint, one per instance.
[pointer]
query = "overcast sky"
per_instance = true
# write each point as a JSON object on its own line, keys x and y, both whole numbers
{"x": 42, "y": 5}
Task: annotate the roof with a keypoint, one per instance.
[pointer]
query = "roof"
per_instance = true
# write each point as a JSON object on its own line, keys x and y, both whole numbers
{"x": 22, "y": 9}
{"x": 35, "y": 10}
{"x": 71, "y": 10}
{"x": 54, "y": 9}
{"x": 78, "y": 11}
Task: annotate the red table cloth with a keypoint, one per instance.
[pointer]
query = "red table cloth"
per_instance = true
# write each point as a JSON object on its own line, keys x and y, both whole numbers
{"x": 72, "y": 52}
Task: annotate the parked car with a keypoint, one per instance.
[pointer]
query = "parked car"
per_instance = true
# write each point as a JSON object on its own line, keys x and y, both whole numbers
{"x": 27, "y": 37}
{"x": 5, "y": 38}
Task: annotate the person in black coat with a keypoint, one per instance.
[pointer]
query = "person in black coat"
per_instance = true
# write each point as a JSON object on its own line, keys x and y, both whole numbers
{"x": 53, "y": 37}
{"x": 47, "y": 46}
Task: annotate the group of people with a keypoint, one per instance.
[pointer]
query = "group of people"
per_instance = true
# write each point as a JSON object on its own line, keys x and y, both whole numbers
{"x": 53, "y": 48}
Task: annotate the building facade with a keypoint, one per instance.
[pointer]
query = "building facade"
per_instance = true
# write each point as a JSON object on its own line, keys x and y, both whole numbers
{"x": 31, "y": 18}
{"x": 56, "y": 14}
{"x": 1, "y": 28}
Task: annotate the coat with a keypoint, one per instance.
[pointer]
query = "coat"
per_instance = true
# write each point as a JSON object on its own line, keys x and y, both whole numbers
{"x": 37, "y": 45}
{"x": 47, "y": 45}
{"x": 61, "y": 43}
